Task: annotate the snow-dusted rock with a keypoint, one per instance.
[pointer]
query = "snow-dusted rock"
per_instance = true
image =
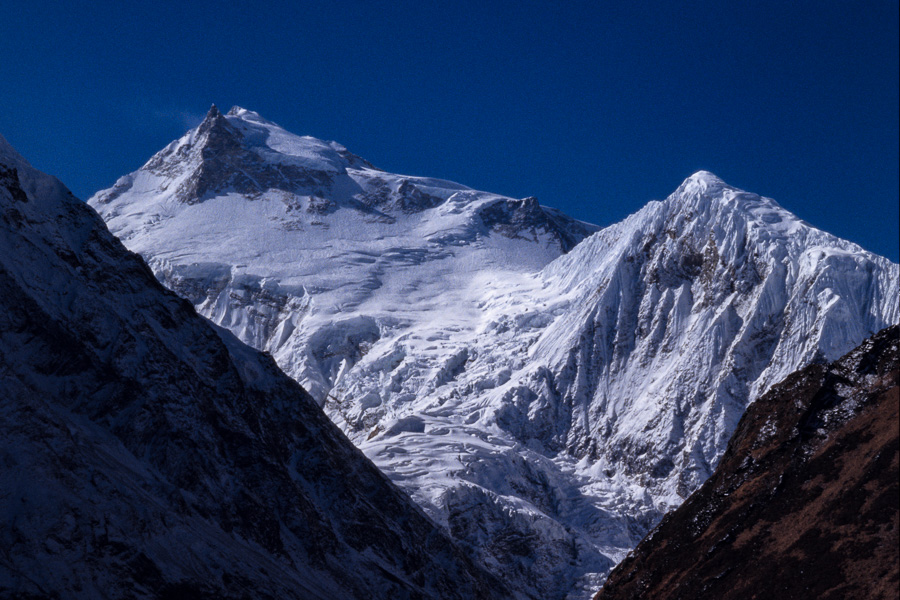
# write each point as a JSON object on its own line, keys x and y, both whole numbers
{"x": 146, "y": 453}
{"x": 546, "y": 399}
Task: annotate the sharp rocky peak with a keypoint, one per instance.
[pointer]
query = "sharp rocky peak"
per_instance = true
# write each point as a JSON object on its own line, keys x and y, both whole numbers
{"x": 280, "y": 145}
{"x": 243, "y": 153}
{"x": 213, "y": 115}
{"x": 214, "y": 130}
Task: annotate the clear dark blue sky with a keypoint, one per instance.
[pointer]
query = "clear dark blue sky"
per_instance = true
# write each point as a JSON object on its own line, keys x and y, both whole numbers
{"x": 593, "y": 107}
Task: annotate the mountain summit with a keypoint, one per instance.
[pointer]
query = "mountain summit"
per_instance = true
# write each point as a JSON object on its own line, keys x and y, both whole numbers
{"x": 546, "y": 391}
{"x": 322, "y": 226}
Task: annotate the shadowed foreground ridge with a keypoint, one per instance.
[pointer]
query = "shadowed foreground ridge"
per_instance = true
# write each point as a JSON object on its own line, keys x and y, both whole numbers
{"x": 145, "y": 453}
{"x": 804, "y": 503}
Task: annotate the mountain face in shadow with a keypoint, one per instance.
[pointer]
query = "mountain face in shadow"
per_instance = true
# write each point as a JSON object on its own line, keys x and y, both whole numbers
{"x": 146, "y": 453}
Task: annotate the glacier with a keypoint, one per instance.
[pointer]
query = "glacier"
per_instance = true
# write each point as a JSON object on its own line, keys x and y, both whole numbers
{"x": 544, "y": 389}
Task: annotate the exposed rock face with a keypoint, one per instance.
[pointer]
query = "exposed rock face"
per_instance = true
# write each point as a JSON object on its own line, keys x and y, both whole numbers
{"x": 146, "y": 453}
{"x": 804, "y": 503}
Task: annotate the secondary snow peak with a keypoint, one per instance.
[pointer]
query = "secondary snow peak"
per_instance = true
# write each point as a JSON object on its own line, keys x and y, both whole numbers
{"x": 248, "y": 115}
{"x": 705, "y": 176}
{"x": 702, "y": 183}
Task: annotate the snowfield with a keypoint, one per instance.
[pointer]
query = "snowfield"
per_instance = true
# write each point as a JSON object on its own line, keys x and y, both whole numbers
{"x": 544, "y": 390}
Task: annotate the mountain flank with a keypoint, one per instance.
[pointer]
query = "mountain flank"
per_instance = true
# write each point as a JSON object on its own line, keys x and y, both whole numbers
{"x": 146, "y": 453}
{"x": 804, "y": 503}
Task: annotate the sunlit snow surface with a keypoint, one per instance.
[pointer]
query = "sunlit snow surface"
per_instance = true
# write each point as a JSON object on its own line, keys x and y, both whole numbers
{"x": 547, "y": 408}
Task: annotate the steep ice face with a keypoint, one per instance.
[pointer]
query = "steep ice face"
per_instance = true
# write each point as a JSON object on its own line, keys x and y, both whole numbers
{"x": 147, "y": 453}
{"x": 674, "y": 320}
{"x": 545, "y": 407}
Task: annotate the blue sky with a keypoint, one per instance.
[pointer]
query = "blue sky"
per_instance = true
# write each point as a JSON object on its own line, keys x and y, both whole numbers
{"x": 593, "y": 107}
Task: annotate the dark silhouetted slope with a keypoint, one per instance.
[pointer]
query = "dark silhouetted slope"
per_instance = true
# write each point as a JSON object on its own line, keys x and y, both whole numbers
{"x": 145, "y": 453}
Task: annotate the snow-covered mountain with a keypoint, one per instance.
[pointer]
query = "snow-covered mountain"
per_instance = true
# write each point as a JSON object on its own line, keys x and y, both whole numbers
{"x": 146, "y": 453}
{"x": 544, "y": 395}
{"x": 280, "y": 238}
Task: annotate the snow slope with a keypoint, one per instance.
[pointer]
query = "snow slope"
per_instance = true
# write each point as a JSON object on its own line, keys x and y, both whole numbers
{"x": 146, "y": 453}
{"x": 545, "y": 400}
